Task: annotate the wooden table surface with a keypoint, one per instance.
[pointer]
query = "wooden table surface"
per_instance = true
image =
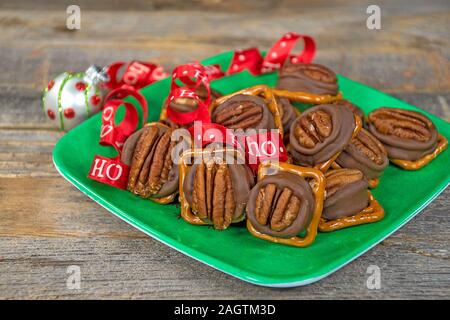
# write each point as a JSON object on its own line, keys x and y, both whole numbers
{"x": 46, "y": 224}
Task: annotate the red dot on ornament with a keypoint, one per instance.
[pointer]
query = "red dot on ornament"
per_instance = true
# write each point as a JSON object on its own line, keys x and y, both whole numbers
{"x": 51, "y": 114}
{"x": 95, "y": 100}
{"x": 81, "y": 86}
{"x": 50, "y": 85}
{"x": 69, "y": 113}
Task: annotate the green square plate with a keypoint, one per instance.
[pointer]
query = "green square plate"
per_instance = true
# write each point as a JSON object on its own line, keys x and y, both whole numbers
{"x": 235, "y": 251}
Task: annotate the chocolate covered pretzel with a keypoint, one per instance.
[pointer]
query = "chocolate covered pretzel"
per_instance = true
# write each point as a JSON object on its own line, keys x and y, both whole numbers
{"x": 148, "y": 152}
{"x": 284, "y": 204}
{"x": 320, "y": 133}
{"x": 366, "y": 153}
{"x": 346, "y": 193}
{"x": 239, "y": 111}
{"x": 244, "y": 111}
{"x": 410, "y": 138}
{"x": 347, "y": 201}
{"x": 309, "y": 78}
{"x": 213, "y": 191}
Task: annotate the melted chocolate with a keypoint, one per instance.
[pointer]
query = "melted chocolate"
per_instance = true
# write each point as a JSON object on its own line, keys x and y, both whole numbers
{"x": 309, "y": 78}
{"x": 266, "y": 122}
{"x": 370, "y": 159}
{"x": 353, "y": 107}
{"x": 300, "y": 189}
{"x": 342, "y": 126}
{"x": 288, "y": 113}
{"x": 405, "y": 148}
{"x": 242, "y": 180}
{"x": 347, "y": 200}
{"x": 171, "y": 185}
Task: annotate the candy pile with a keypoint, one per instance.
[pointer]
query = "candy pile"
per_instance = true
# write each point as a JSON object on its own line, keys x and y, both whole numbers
{"x": 311, "y": 171}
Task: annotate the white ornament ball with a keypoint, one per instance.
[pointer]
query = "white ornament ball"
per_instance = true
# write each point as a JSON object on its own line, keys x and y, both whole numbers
{"x": 71, "y": 98}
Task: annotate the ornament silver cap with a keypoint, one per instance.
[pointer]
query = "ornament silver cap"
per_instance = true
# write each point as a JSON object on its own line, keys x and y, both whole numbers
{"x": 95, "y": 75}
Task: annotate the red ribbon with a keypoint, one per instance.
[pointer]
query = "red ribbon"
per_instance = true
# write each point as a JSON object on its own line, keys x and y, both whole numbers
{"x": 213, "y": 71}
{"x": 206, "y": 133}
{"x": 112, "y": 135}
{"x": 186, "y": 78}
{"x": 257, "y": 147}
{"x": 120, "y": 93}
{"x": 109, "y": 171}
{"x": 251, "y": 59}
{"x": 136, "y": 75}
{"x": 248, "y": 59}
{"x": 193, "y": 75}
{"x": 201, "y": 113}
{"x": 265, "y": 146}
{"x": 112, "y": 171}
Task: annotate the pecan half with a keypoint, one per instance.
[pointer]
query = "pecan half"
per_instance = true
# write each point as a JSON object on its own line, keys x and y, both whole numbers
{"x": 366, "y": 153}
{"x": 313, "y": 128}
{"x": 217, "y": 191}
{"x": 281, "y": 204}
{"x": 401, "y": 123}
{"x": 369, "y": 146}
{"x": 319, "y": 133}
{"x": 308, "y": 77}
{"x": 144, "y": 145}
{"x": 337, "y": 179}
{"x": 161, "y": 164}
{"x": 152, "y": 171}
{"x": 240, "y": 115}
{"x": 406, "y": 134}
{"x": 311, "y": 70}
{"x": 275, "y": 207}
{"x": 244, "y": 112}
{"x": 213, "y": 194}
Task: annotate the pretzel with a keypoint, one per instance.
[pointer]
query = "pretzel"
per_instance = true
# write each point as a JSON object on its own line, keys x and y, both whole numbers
{"x": 372, "y": 213}
{"x": 170, "y": 198}
{"x": 327, "y": 164}
{"x": 422, "y": 162}
{"x": 304, "y": 97}
{"x": 318, "y": 189}
{"x": 186, "y": 212}
{"x": 259, "y": 90}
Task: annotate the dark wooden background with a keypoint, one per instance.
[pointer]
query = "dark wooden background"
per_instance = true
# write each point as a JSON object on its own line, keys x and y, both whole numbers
{"x": 47, "y": 225}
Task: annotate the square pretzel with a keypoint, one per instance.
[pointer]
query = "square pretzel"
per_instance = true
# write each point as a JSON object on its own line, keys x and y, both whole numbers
{"x": 324, "y": 166}
{"x": 318, "y": 189}
{"x": 422, "y": 162}
{"x": 308, "y": 98}
{"x": 186, "y": 212}
{"x": 372, "y": 213}
{"x": 259, "y": 91}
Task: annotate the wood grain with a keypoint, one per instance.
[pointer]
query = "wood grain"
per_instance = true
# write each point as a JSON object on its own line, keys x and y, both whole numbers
{"x": 47, "y": 225}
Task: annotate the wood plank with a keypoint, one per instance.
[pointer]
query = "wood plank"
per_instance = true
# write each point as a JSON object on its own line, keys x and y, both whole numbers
{"x": 42, "y": 236}
{"x": 220, "y": 6}
{"x": 410, "y": 54}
